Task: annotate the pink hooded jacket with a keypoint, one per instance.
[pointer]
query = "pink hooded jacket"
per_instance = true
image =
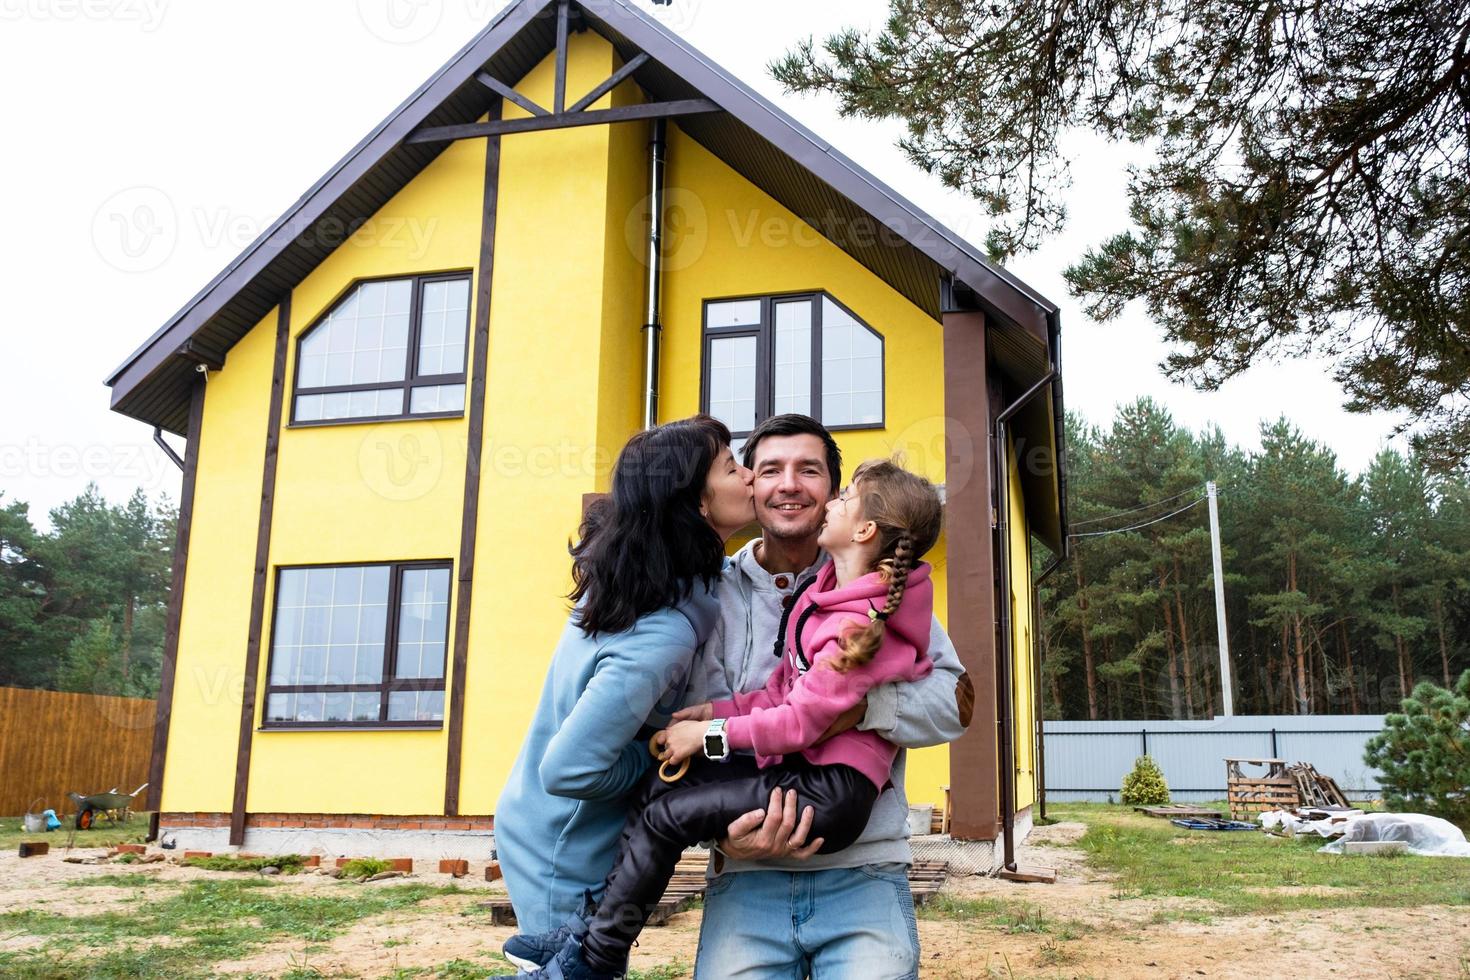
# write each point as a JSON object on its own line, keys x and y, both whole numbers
{"x": 795, "y": 707}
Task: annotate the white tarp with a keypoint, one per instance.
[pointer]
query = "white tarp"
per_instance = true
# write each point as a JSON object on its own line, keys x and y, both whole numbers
{"x": 1297, "y": 824}
{"x": 1424, "y": 835}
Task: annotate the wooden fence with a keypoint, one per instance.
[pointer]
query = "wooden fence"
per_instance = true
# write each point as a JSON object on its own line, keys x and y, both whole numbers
{"x": 52, "y": 743}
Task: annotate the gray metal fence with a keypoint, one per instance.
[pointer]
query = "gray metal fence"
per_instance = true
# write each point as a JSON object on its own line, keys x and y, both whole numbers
{"x": 1087, "y": 760}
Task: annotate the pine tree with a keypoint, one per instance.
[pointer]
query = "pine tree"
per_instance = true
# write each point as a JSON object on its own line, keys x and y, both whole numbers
{"x": 1144, "y": 785}
{"x": 1423, "y": 753}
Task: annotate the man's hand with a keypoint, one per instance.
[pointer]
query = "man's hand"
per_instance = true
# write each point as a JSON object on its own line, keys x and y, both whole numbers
{"x": 682, "y": 740}
{"x": 696, "y": 712}
{"x": 848, "y": 719}
{"x": 772, "y": 833}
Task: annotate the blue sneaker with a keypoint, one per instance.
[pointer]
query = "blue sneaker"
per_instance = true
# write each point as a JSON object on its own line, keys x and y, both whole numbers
{"x": 567, "y": 964}
{"x": 532, "y": 951}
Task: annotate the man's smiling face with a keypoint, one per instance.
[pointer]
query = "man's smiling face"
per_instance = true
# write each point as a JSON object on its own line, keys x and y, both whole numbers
{"x": 792, "y": 485}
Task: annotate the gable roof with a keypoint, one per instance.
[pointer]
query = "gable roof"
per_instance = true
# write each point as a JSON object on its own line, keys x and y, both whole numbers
{"x": 764, "y": 144}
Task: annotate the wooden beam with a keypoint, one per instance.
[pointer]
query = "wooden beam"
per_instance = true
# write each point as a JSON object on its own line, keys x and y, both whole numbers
{"x": 182, "y": 530}
{"x": 470, "y": 510}
{"x": 262, "y": 565}
{"x": 974, "y": 757}
{"x": 562, "y": 120}
{"x": 609, "y": 83}
{"x": 559, "y": 101}
{"x": 506, "y": 92}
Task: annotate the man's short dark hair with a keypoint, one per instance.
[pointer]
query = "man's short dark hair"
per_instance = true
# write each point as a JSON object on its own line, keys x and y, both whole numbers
{"x": 792, "y": 424}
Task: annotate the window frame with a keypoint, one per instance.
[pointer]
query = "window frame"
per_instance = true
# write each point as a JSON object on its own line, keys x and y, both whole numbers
{"x": 411, "y": 378}
{"x": 765, "y": 334}
{"x": 391, "y": 682}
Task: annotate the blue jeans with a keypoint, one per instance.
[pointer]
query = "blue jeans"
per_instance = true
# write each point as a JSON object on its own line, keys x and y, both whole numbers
{"x": 836, "y": 924}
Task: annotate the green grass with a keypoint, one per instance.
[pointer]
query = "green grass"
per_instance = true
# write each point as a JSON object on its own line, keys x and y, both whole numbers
{"x": 1152, "y": 857}
{"x": 204, "y": 922}
{"x": 1003, "y": 914}
{"x": 365, "y": 867}
{"x": 289, "y": 864}
{"x": 107, "y": 835}
{"x": 130, "y": 880}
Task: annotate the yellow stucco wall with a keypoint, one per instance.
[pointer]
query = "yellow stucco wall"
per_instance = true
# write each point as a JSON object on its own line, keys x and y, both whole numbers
{"x": 1022, "y": 652}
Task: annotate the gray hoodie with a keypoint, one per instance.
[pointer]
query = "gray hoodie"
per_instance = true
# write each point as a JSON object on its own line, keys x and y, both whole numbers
{"x": 738, "y": 656}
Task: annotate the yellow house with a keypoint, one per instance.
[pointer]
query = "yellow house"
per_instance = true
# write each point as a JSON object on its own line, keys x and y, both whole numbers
{"x": 396, "y": 399}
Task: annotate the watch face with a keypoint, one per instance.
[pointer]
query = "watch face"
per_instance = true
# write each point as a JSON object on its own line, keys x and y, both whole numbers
{"x": 713, "y": 745}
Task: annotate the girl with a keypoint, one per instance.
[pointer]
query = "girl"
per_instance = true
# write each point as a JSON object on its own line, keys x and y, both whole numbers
{"x": 643, "y": 571}
{"x": 864, "y": 621}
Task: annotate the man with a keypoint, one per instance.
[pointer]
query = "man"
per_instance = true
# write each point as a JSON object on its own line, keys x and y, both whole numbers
{"x": 774, "y": 907}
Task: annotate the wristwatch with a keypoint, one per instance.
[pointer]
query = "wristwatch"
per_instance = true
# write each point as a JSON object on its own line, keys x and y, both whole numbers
{"x": 716, "y": 745}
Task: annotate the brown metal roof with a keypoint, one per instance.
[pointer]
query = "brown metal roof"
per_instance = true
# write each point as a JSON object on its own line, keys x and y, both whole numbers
{"x": 765, "y": 145}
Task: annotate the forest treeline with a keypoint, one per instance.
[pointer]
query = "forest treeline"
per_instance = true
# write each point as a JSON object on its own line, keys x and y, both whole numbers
{"x": 83, "y": 606}
{"x": 1342, "y": 591}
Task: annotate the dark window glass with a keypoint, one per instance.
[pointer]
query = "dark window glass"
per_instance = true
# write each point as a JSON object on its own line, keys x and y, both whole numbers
{"x": 390, "y": 348}
{"x": 358, "y": 644}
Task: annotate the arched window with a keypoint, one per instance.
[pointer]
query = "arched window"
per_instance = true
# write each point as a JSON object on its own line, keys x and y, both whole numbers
{"x": 805, "y": 352}
{"x": 390, "y": 348}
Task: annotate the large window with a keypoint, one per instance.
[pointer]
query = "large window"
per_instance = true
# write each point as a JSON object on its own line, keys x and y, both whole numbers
{"x": 803, "y": 353}
{"x": 390, "y": 348}
{"x": 359, "y": 645}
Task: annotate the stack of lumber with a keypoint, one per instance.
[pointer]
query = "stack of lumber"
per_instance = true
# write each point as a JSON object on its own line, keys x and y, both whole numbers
{"x": 1250, "y": 794}
{"x": 1315, "y": 789}
{"x": 688, "y": 884}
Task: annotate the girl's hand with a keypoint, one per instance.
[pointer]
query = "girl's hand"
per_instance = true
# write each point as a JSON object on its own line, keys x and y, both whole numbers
{"x": 696, "y": 712}
{"x": 682, "y": 740}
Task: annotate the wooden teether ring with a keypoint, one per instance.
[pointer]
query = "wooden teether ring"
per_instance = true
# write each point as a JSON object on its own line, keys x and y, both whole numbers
{"x": 663, "y": 769}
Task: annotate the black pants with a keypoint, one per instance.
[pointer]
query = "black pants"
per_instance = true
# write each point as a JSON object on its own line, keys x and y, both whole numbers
{"x": 668, "y": 817}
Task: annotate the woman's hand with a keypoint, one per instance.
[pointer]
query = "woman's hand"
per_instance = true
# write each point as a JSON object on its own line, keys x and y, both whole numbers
{"x": 696, "y": 712}
{"x": 682, "y": 740}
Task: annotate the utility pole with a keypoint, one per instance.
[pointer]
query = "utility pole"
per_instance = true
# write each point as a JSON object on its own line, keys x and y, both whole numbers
{"x": 1227, "y": 701}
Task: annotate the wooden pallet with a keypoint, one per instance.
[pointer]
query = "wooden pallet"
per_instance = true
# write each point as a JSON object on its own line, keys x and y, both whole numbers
{"x": 684, "y": 889}
{"x": 688, "y": 885}
{"x": 926, "y": 878}
{"x": 1249, "y": 795}
{"x": 1176, "y": 810}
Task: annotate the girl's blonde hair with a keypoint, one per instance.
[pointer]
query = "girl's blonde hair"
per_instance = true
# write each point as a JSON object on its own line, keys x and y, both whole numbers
{"x": 906, "y": 509}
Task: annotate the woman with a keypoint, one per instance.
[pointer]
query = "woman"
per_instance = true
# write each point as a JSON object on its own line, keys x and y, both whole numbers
{"x": 643, "y": 570}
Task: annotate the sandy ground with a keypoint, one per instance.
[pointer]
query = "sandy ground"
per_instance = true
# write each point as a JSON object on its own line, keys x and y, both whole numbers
{"x": 1110, "y": 937}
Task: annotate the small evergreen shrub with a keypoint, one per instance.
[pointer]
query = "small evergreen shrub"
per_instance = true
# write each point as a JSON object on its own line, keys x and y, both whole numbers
{"x": 1145, "y": 785}
{"x": 365, "y": 867}
{"x": 1424, "y": 753}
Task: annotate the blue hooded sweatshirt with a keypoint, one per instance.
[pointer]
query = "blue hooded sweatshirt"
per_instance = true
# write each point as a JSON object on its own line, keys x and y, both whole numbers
{"x": 563, "y": 807}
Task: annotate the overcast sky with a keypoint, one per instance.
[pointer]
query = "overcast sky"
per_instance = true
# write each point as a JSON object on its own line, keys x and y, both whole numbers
{"x": 197, "y": 123}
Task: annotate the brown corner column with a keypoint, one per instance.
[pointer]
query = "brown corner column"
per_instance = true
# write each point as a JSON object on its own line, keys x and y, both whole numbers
{"x": 469, "y": 520}
{"x": 175, "y": 599}
{"x": 262, "y": 563}
{"x": 973, "y": 757}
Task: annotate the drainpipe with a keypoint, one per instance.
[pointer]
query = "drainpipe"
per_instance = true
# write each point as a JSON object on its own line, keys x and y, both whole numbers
{"x": 651, "y": 326}
{"x": 1004, "y": 665}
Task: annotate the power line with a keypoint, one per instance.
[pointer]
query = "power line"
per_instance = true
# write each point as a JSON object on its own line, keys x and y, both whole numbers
{"x": 1134, "y": 510}
{"x": 1097, "y": 534}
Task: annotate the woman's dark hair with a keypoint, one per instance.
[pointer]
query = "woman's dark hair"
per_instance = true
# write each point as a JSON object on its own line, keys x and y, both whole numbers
{"x": 794, "y": 424}
{"x": 643, "y": 546}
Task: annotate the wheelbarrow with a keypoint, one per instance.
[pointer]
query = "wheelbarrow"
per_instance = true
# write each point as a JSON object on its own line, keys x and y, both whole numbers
{"x": 112, "y": 805}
